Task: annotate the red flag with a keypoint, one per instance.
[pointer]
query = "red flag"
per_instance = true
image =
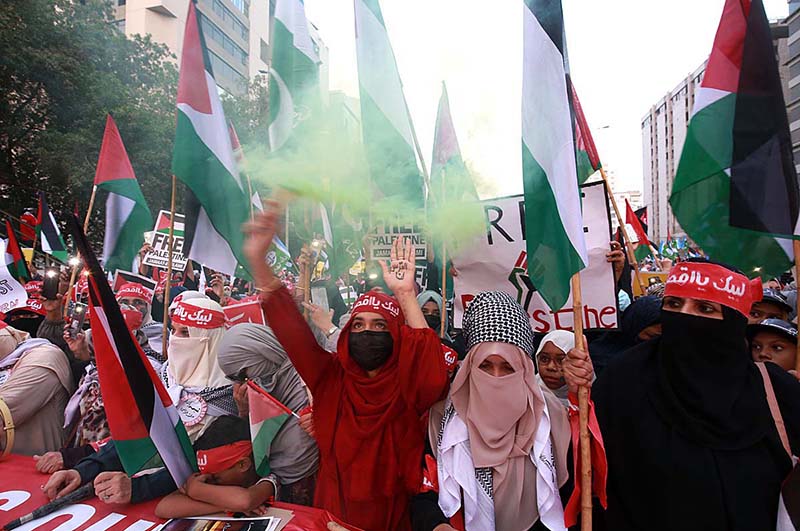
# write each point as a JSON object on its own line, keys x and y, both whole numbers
{"x": 27, "y": 227}
{"x": 633, "y": 221}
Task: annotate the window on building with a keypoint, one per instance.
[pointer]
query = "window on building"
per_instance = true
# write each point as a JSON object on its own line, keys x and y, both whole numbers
{"x": 210, "y": 30}
{"x": 230, "y": 19}
{"x": 121, "y": 2}
{"x": 223, "y": 70}
{"x": 242, "y": 5}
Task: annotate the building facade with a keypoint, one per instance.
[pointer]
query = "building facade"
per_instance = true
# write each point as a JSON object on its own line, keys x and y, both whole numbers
{"x": 236, "y": 33}
{"x": 664, "y": 132}
{"x": 792, "y": 63}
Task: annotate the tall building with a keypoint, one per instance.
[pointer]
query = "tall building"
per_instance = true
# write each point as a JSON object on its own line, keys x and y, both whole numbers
{"x": 664, "y": 132}
{"x": 792, "y": 64}
{"x": 236, "y": 33}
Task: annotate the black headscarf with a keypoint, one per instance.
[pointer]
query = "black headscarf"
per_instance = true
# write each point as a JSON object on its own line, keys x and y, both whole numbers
{"x": 688, "y": 434}
{"x": 643, "y": 312}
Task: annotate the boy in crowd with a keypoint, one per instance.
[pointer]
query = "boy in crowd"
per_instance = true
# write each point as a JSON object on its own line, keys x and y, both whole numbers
{"x": 774, "y": 340}
{"x": 227, "y": 481}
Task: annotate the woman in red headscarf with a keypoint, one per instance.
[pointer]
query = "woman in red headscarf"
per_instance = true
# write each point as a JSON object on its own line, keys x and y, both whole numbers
{"x": 369, "y": 396}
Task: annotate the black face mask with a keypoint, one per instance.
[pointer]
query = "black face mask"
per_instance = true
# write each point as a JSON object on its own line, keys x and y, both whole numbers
{"x": 434, "y": 321}
{"x": 708, "y": 387}
{"x": 370, "y": 350}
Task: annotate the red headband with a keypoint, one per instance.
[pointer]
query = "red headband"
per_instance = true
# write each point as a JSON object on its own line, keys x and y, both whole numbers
{"x": 132, "y": 290}
{"x": 222, "y": 458}
{"x": 711, "y": 282}
{"x": 387, "y": 306}
{"x": 196, "y": 317}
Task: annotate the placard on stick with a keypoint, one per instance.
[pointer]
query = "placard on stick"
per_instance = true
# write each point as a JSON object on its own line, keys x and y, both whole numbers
{"x": 159, "y": 239}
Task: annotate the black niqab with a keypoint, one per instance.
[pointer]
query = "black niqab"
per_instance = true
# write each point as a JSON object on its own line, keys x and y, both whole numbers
{"x": 689, "y": 438}
{"x": 708, "y": 387}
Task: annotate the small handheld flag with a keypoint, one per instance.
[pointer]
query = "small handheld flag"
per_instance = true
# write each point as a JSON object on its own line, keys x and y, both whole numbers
{"x": 267, "y": 416}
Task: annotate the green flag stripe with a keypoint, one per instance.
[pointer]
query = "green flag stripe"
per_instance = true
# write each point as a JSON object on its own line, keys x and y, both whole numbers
{"x": 375, "y": 7}
{"x": 552, "y": 259}
{"x": 125, "y": 187}
{"x": 392, "y": 161}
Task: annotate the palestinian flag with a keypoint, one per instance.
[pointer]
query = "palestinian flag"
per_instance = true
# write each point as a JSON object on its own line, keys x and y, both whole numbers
{"x": 553, "y": 220}
{"x": 267, "y": 416}
{"x": 13, "y": 293}
{"x": 642, "y": 241}
{"x": 585, "y": 151}
{"x": 48, "y": 233}
{"x": 294, "y": 91}
{"x": 735, "y": 191}
{"x": 127, "y": 214}
{"x": 385, "y": 121}
{"x": 216, "y": 202}
{"x": 143, "y": 421}
{"x": 450, "y": 179}
{"x": 17, "y": 266}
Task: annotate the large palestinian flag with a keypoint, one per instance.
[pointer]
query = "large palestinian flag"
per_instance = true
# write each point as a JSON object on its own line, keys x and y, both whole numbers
{"x": 47, "y": 230}
{"x": 385, "y": 121}
{"x": 735, "y": 191}
{"x": 143, "y": 421}
{"x": 553, "y": 219}
{"x": 127, "y": 213}
{"x": 217, "y": 204}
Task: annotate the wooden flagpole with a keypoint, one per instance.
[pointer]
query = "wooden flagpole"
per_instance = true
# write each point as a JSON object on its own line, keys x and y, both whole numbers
{"x": 626, "y": 242}
{"x": 583, "y": 412}
{"x": 444, "y": 272}
{"x": 796, "y": 244}
{"x": 167, "y": 284}
{"x": 75, "y": 268}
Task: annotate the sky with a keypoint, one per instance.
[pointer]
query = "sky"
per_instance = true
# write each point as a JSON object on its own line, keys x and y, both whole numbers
{"x": 624, "y": 56}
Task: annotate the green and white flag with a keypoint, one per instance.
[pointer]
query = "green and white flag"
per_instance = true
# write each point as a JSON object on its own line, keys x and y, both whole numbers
{"x": 553, "y": 219}
{"x": 217, "y": 203}
{"x": 294, "y": 91}
{"x": 385, "y": 121}
{"x": 127, "y": 213}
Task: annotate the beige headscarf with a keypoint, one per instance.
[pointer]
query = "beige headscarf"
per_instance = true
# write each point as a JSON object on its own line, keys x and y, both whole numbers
{"x": 10, "y": 338}
{"x": 502, "y": 414}
{"x": 193, "y": 360}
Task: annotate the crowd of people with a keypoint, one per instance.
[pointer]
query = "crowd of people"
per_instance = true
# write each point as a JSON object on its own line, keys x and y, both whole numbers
{"x": 405, "y": 424}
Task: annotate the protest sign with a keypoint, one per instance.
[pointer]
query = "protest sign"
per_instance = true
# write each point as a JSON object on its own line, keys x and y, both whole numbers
{"x": 12, "y": 293}
{"x": 497, "y": 261}
{"x": 21, "y": 493}
{"x": 159, "y": 240}
{"x": 384, "y": 235}
{"x": 123, "y": 277}
{"x": 244, "y": 312}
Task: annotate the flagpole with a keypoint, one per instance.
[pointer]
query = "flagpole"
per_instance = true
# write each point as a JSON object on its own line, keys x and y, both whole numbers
{"x": 74, "y": 274}
{"x": 583, "y": 411}
{"x": 796, "y": 244}
{"x": 167, "y": 285}
{"x": 444, "y": 271}
{"x": 626, "y": 242}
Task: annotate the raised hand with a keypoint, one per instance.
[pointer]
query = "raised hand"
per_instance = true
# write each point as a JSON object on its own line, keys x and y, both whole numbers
{"x": 399, "y": 273}
{"x": 260, "y": 232}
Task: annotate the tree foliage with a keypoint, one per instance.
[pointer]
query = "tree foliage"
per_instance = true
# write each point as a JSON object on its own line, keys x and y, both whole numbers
{"x": 63, "y": 66}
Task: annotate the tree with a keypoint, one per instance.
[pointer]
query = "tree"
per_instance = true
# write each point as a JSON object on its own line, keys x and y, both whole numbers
{"x": 63, "y": 66}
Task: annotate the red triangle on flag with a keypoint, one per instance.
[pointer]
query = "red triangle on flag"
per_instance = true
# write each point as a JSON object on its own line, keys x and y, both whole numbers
{"x": 113, "y": 162}
{"x": 192, "y": 84}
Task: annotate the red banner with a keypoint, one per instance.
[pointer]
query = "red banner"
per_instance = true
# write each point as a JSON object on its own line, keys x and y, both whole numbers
{"x": 21, "y": 493}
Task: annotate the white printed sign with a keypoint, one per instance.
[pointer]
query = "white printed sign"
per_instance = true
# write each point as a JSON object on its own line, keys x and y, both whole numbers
{"x": 497, "y": 261}
{"x": 159, "y": 240}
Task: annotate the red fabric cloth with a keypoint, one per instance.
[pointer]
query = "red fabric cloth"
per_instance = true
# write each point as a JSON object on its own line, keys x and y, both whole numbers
{"x": 370, "y": 437}
{"x": 599, "y": 463}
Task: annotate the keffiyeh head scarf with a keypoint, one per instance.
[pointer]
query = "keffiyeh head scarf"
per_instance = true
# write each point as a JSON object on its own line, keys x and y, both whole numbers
{"x": 507, "y": 418}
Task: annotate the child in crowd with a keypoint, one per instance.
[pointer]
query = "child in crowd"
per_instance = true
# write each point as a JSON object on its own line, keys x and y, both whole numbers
{"x": 227, "y": 481}
{"x": 774, "y": 340}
